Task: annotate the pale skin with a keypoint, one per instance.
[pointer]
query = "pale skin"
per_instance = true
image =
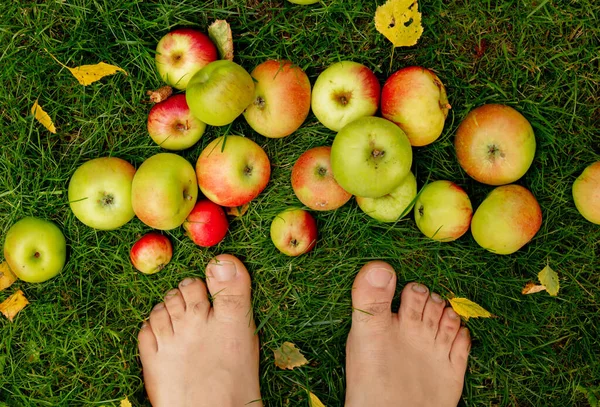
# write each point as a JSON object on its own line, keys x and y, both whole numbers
{"x": 198, "y": 352}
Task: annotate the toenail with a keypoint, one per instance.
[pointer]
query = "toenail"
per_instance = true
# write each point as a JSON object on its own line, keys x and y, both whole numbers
{"x": 420, "y": 288}
{"x": 464, "y": 332}
{"x": 172, "y": 293}
{"x": 187, "y": 281}
{"x": 379, "y": 277}
{"x": 222, "y": 271}
{"x": 451, "y": 313}
{"x": 158, "y": 306}
{"x": 436, "y": 298}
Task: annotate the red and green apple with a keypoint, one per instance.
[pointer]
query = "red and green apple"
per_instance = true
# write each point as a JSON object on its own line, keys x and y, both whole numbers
{"x": 294, "y": 232}
{"x": 586, "y": 193}
{"x": 172, "y": 126}
{"x": 151, "y": 253}
{"x": 207, "y": 224}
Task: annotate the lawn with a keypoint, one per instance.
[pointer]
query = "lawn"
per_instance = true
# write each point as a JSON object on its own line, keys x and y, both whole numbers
{"x": 75, "y": 344}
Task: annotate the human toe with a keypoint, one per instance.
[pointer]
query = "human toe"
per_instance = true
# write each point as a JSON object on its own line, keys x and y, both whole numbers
{"x": 372, "y": 294}
{"x": 160, "y": 321}
{"x": 412, "y": 305}
{"x": 434, "y": 308}
{"x": 146, "y": 341}
{"x": 461, "y": 346}
{"x": 229, "y": 285}
{"x": 195, "y": 296}
{"x": 447, "y": 330}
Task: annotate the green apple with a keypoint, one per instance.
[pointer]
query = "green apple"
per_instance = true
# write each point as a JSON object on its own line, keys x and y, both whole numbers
{"x": 390, "y": 207}
{"x": 370, "y": 157}
{"x": 164, "y": 191}
{"x": 35, "y": 249}
{"x": 586, "y": 193}
{"x": 443, "y": 211}
{"x": 219, "y": 92}
{"x": 304, "y": 2}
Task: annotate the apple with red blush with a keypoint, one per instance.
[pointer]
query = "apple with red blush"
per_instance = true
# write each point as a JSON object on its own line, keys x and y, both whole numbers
{"x": 207, "y": 224}
{"x": 151, "y": 253}
{"x": 172, "y": 126}
{"x": 294, "y": 232}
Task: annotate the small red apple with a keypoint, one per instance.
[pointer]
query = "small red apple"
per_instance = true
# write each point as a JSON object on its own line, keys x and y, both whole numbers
{"x": 294, "y": 232}
{"x": 172, "y": 126}
{"x": 207, "y": 224}
{"x": 151, "y": 253}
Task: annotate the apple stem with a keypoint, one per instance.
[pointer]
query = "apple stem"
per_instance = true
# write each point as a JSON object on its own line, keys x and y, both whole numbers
{"x": 294, "y": 242}
{"x": 36, "y": 255}
{"x": 377, "y": 153}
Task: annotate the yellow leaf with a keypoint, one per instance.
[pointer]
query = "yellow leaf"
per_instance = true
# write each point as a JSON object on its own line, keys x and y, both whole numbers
{"x": 43, "y": 117}
{"x": 220, "y": 33}
{"x": 400, "y": 22}
{"x": 314, "y": 400}
{"x": 288, "y": 356}
{"x": 7, "y": 277}
{"x": 532, "y": 288}
{"x": 13, "y": 304}
{"x": 468, "y": 309}
{"x": 87, "y": 74}
{"x": 237, "y": 211}
{"x": 549, "y": 278}
{"x": 125, "y": 402}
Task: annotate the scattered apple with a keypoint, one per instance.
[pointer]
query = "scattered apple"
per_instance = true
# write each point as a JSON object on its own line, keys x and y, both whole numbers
{"x": 443, "y": 211}
{"x": 344, "y": 92}
{"x": 164, "y": 191}
{"x": 313, "y": 182}
{"x": 304, "y": 2}
{"x": 415, "y": 99}
{"x": 391, "y": 207}
{"x": 220, "y": 92}
{"x": 495, "y": 144}
{"x": 294, "y": 232}
{"x": 172, "y": 126}
{"x": 151, "y": 253}
{"x": 207, "y": 224}
{"x": 586, "y": 193}
{"x": 507, "y": 219}
{"x": 370, "y": 157}
{"x": 232, "y": 170}
{"x": 99, "y": 193}
{"x": 181, "y": 53}
{"x": 281, "y": 99}
{"x": 35, "y": 249}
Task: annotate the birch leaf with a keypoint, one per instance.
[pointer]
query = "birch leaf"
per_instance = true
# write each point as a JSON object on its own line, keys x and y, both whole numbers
{"x": 7, "y": 277}
{"x": 220, "y": 33}
{"x": 314, "y": 400}
{"x": 549, "y": 279}
{"x": 87, "y": 74}
{"x": 125, "y": 403}
{"x": 532, "y": 288}
{"x": 468, "y": 309}
{"x": 42, "y": 117}
{"x": 288, "y": 356}
{"x": 13, "y": 304}
{"x": 400, "y": 22}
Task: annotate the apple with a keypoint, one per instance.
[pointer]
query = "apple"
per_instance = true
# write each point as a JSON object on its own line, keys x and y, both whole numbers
{"x": 294, "y": 232}
{"x": 232, "y": 170}
{"x": 344, "y": 92}
{"x": 99, "y": 193}
{"x": 313, "y": 182}
{"x": 507, "y": 219}
{"x": 181, "y": 53}
{"x": 151, "y": 253}
{"x": 415, "y": 99}
{"x": 391, "y": 207}
{"x": 586, "y": 193}
{"x": 35, "y": 249}
{"x": 207, "y": 224}
{"x": 164, "y": 191}
{"x": 304, "y": 2}
{"x": 443, "y": 211}
{"x": 370, "y": 157}
{"x": 220, "y": 92}
{"x": 495, "y": 144}
{"x": 281, "y": 99}
{"x": 172, "y": 126}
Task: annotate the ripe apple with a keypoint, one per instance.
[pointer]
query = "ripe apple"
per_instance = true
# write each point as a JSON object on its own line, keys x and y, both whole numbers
{"x": 344, "y": 92}
{"x": 313, "y": 182}
{"x": 181, "y": 53}
{"x": 172, "y": 126}
{"x": 164, "y": 191}
{"x": 370, "y": 157}
{"x": 390, "y": 207}
{"x": 586, "y": 193}
{"x": 443, "y": 211}
{"x": 495, "y": 144}
{"x": 219, "y": 92}
{"x": 232, "y": 170}
{"x": 100, "y": 193}
{"x": 415, "y": 99}
{"x": 281, "y": 99}
{"x": 151, "y": 253}
{"x": 294, "y": 232}
{"x": 507, "y": 219}
{"x": 304, "y": 2}
{"x": 35, "y": 249}
{"x": 207, "y": 224}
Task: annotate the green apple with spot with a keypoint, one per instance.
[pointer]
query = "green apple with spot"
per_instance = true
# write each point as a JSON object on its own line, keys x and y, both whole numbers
{"x": 391, "y": 207}
{"x": 586, "y": 193}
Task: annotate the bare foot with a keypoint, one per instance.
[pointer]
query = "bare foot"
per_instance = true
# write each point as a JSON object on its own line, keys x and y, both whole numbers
{"x": 195, "y": 354}
{"x": 417, "y": 357}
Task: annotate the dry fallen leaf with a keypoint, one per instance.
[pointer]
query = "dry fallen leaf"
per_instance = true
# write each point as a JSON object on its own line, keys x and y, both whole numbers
{"x": 288, "y": 356}
{"x": 43, "y": 117}
{"x": 87, "y": 74}
{"x": 549, "y": 279}
{"x": 314, "y": 400}
{"x": 160, "y": 94}
{"x": 7, "y": 277}
{"x": 125, "y": 403}
{"x": 237, "y": 211}
{"x": 220, "y": 33}
{"x": 400, "y": 22}
{"x": 468, "y": 309}
{"x": 532, "y": 288}
{"x": 13, "y": 304}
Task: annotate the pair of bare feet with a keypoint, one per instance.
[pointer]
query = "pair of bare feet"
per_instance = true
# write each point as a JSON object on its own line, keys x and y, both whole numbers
{"x": 195, "y": 353}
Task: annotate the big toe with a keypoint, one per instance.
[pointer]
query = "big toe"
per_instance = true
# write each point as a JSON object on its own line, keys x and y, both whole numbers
{"x": 372, "y": 295}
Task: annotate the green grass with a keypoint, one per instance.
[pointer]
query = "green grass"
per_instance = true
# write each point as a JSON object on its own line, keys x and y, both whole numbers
{"x": 75, "y": 344}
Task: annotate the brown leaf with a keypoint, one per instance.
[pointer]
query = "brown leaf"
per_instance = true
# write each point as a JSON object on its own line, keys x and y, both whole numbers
{"x": 87, "y": 74}
{"x": 468, "y": 309}
{"x": 160, "y": 94}
{"x": 13, "y": 304}
{"x": 532, "y": 288}
{"x": 220, "y": 33}
{"x": 288, "y": 356}
{"x": 42, "y": 117}
{"x": 237, "y": 211}
{"x": 7, "y": 277}
{"x": 400, "y": 22}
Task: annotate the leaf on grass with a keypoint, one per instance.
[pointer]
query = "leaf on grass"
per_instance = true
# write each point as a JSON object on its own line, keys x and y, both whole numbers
{"x": 468, "y": 309}
{"x": 549, "y": 279}
{"x": 237, "y": 211}
{"x": 7, "y": 277}
{"x": 13, "y": 304}
{"x": 43, "y": 117}
{"x": 288, "y": 356}
{"x": 87, "y": 74}
{"x": 400, "y": 22}
{"x": 314, "y": 400}
{"x": 125, "y": 403}
{"x": 532, "y": 288}
{"x": 220, "y": 33}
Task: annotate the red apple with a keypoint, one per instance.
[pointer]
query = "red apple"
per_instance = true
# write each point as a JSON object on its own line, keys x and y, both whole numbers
{"x": 415, "y": 99}
{"x": 313, "y": 182}
{"x": 151, "y": 253}
{"x": 294, "y": 232}
{"x": 207, "y": 224}
{"x": 495, "y": 144}
{"x": 172, "y": 126}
